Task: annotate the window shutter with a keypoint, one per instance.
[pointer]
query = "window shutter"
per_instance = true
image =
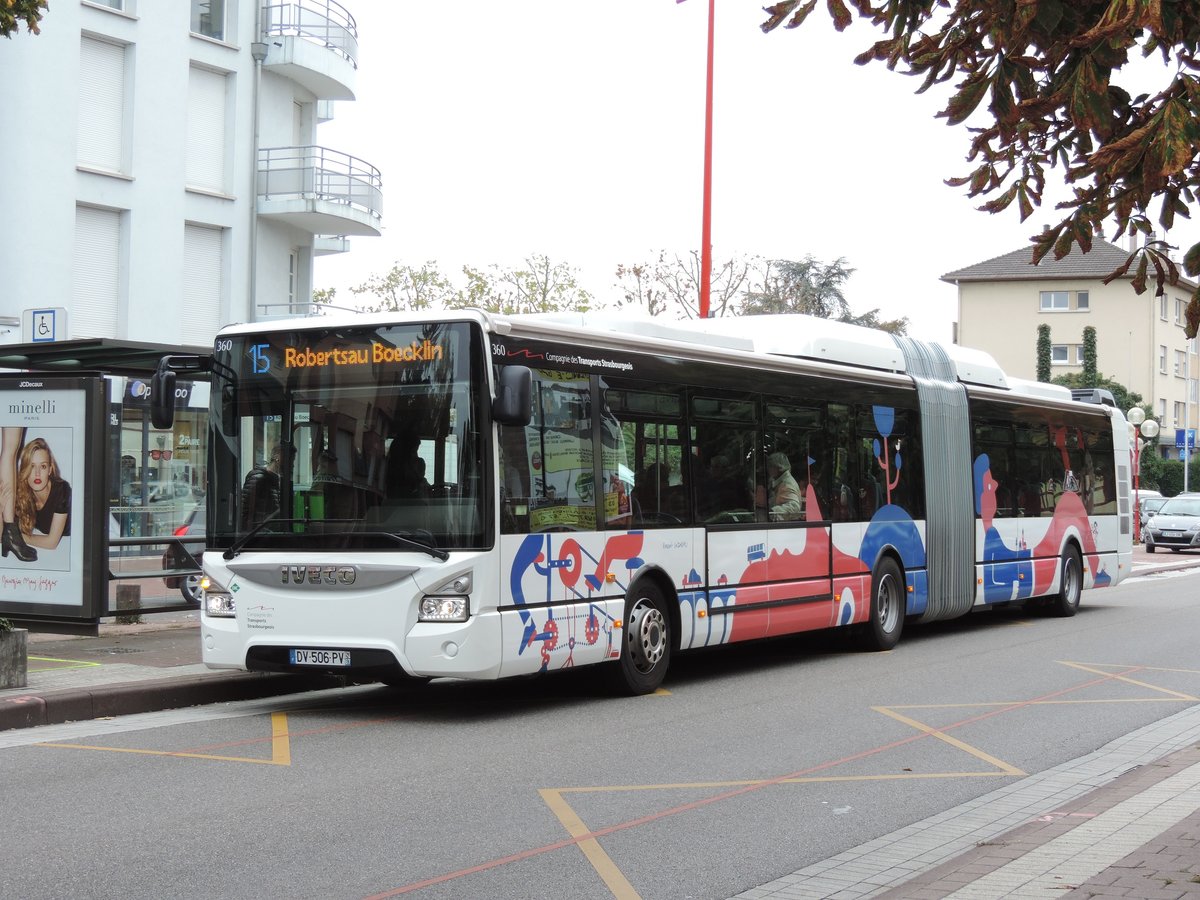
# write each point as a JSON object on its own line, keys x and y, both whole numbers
{"x": 203, "y": 271}
{"x": 206, "y": 130}
{"x": 101, "y": 125}
{"x": 97, "y": 273}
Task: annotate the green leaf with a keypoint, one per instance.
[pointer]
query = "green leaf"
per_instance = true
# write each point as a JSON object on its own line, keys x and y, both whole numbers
{"x": 1191, "y": 260}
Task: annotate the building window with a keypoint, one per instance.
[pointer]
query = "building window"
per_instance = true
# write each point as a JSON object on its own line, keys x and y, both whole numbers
{"x": 101, "y": 124}
{"x": 208, "y": 18}
{"x": 203, "y": 283}
{"x": 1059, "y": 354}
{"x": 1162, "y": 307}
{"x": 1082, "y": 300}
{"x": 96, "y": 292}
{"x": 293, "y": 260}
{"x": 1162, "y": 358}
{"x": 1162, "y": 410}
{"x": 1179, "y": 411}
{"x": 205, "y": 161}
{"x": 1180, "y": 363}
{"x": 1178, "y": 311}
{"x": 1052, "y": 301}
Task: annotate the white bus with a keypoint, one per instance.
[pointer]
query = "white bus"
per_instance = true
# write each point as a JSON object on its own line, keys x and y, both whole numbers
{"x": 481, "y": 496}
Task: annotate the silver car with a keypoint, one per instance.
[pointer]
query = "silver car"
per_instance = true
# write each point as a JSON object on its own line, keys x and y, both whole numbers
{"x": 1175, "y": 525}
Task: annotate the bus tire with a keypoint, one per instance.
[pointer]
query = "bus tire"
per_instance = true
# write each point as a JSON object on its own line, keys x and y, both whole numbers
{"x": 1070, "y": 583}
{"x": 645, "y": 642}
{"x": 885, "y": 620}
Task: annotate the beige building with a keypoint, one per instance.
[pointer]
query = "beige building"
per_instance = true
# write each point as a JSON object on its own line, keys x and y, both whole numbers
{"x": 1140, "y": 339}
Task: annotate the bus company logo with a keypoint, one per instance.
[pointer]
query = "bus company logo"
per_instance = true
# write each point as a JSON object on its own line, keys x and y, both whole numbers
{"x": 318, "y": 574}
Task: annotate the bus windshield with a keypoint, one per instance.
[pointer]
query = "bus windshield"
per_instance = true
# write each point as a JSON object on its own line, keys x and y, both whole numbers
{"x": 364, "y": 438}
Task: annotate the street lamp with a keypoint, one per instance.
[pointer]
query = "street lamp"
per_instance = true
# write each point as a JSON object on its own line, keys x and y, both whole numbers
{"x": 1139, "y": 427}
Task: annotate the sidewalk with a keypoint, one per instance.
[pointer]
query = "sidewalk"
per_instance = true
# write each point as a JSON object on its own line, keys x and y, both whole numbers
{"x": 130, "y": 669}
{"x": 1121, "y": 822}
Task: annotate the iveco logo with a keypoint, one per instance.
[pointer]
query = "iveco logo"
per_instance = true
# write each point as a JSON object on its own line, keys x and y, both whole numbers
{"x": 318, "y": 574}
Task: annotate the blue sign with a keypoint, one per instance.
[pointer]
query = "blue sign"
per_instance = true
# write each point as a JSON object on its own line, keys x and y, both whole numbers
{"x": 1190, "y": 434}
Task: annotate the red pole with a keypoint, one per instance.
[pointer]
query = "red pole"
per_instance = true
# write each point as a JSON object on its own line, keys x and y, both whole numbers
{"x": 1137, "y": 471}
{"x": 706, "y": 226}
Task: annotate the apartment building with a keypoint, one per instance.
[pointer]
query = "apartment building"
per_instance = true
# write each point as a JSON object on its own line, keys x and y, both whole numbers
{"x": 164, "y": 173}
{"x": 1140, "y": 339}
{"x": 164, "y": 179}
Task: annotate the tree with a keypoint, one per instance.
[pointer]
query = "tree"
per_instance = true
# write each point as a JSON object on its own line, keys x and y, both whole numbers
{"x": 674, "y": 283}
{"x": 1046, "y": 69}
{"x": 1043, "y": 353}
{"x": 1089, "y": 373}
{"x": 407, "y": 288}
{"x": 14, "y": 12}
{"x": 813, "y": 288}
{"x": 541, "y": 286}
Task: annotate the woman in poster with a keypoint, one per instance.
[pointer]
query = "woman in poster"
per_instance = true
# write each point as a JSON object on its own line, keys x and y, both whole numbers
{"x": 43, "y": 503}
{"x": 12, "y": 541}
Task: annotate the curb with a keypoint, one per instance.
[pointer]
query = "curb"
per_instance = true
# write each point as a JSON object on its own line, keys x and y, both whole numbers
{"x": 73, "y": 705}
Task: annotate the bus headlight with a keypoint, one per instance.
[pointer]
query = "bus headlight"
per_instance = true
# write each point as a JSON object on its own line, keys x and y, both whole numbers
{"x": 218, "y": 602}
{"x": 444, "y": 609}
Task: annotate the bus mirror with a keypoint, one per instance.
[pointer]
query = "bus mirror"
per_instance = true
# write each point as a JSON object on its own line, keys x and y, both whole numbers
{"x": 514, "y": 396}
{"x": 162, "y": 398}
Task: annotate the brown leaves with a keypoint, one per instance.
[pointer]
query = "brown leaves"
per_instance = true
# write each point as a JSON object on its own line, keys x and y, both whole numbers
{"x": 14, "y": 12}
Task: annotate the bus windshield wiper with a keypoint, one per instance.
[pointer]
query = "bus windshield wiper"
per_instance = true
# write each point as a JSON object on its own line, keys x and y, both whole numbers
{"x": 404, "y": 540}
{"x": 236, "y": 547}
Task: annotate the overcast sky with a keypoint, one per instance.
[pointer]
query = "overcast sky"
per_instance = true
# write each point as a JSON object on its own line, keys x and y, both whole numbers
{"x": 576, "y": 130}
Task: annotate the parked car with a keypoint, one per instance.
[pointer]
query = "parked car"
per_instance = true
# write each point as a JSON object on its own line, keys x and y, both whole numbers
{"x": 186, "y": 555}
{"x": 1149, "y": 506}
{"x": 1175, "y": 525}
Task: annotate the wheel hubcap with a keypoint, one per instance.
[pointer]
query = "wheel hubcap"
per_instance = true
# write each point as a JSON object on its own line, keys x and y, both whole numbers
{"x": 647, "y": 636}
{"x": 888, "y": 604}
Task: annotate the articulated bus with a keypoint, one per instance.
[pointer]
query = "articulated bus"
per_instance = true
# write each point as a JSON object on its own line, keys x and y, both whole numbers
{"x": 481, "y": 496}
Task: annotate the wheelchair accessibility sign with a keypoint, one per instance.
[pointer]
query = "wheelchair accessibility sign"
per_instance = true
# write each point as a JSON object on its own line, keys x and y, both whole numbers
{"x": 44, "y": 326}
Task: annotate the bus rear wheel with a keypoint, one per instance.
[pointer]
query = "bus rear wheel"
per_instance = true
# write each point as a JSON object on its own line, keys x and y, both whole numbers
{"x": 645, "y": 642}
{"x": 885, "y": 620}
{"x": 1070, "y": 586}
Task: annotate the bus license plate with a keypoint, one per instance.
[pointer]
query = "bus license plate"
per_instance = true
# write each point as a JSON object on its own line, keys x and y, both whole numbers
{"x": 319, "y": 657}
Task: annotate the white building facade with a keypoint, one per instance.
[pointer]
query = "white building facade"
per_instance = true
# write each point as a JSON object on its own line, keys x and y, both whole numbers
{"x": 1140, "y": 338}
{"x": 165, "y": 178}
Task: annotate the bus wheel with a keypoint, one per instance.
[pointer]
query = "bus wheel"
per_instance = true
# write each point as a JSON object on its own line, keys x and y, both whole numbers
{"x": 645, "y": 642}
{"x": 886, "y": 619}
{"x": 1070, "y": 584}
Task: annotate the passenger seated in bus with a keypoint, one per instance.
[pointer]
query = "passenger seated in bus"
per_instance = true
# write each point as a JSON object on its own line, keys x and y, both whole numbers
{"x": 655, "y": 498}
{"x": 721, "y": 491}
{"x": 785, "y": 503}
{"x": 260, "y": 490}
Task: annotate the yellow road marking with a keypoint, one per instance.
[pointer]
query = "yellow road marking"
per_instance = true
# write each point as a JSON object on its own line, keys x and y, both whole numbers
{"x": 1114, "y": 677}
{"x": 952, "y": 741}
{"x": 601, "y": 861}
{"x": 281, "y": 751}
{"x": 75, "y": 663}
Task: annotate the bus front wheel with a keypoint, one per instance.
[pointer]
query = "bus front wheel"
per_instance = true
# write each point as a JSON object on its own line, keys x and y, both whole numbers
{"x": 645, "y": 642}
{"x": 885, "y": 619}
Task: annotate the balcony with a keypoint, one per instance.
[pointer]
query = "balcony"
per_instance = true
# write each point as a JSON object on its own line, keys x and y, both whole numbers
{"x": 314, "y": 43}
{"x": 320, "y": 191}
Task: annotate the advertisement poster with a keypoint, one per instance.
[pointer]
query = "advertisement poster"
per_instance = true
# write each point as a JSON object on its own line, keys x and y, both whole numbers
{"x": 50, "y": 472}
